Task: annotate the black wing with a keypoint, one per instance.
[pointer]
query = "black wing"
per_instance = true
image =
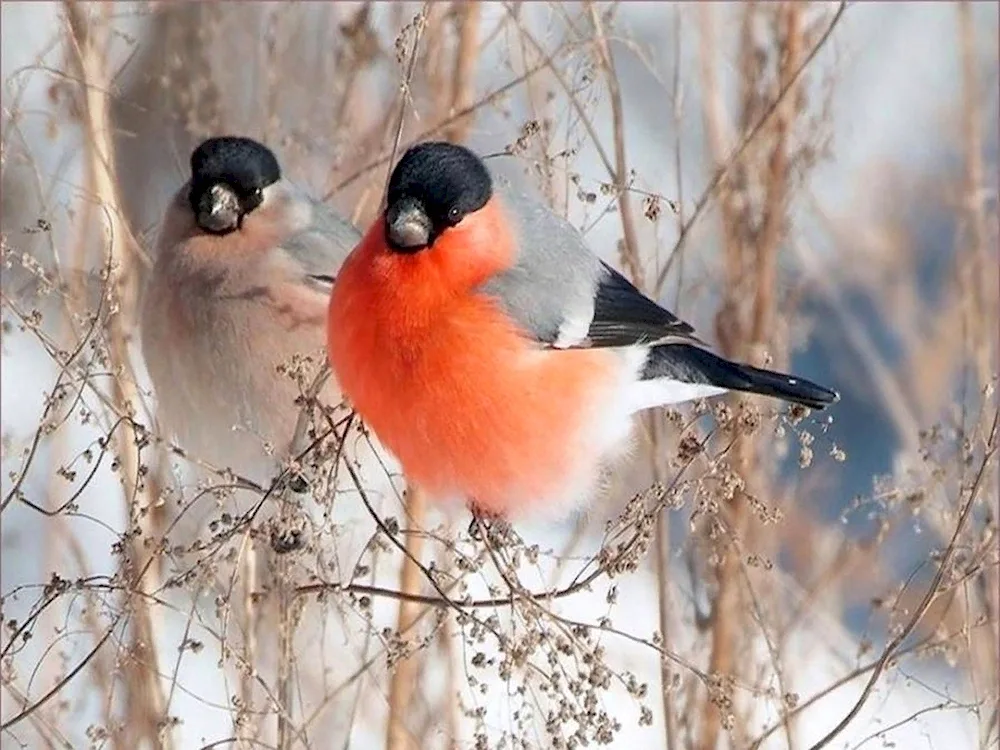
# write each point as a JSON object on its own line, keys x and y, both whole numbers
{"x": 623, "y": 316}
{"x": 564, "y": 296}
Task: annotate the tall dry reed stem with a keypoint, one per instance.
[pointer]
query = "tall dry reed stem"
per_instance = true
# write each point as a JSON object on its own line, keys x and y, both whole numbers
{"x": 405, "y": 672}
{"x": 751, "y": 268}
{"x": 146, "y": 701}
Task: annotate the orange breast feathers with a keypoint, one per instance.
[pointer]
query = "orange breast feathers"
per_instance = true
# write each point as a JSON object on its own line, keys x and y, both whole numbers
{"x": 469, "y": 405}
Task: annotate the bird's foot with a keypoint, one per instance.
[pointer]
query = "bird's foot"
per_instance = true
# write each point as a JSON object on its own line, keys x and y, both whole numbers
{"x": 288, "y": 537}
{"x": 485, "y": 525}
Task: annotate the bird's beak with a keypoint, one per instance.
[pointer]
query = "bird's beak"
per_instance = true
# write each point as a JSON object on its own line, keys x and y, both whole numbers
{"x": 408, "y": 228}
{"x": 219, "y": 210}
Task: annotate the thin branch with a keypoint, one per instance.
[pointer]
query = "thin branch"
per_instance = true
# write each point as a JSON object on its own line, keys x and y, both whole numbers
{"x": 418, "y": 24}
{"x": 439, "y": 127}
{"x": 733, "y": 158}
{"x": 890, "y": 650}
{"x": 620, "y": 173}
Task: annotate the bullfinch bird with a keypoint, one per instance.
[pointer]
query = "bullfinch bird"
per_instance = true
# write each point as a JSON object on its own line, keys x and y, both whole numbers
{"x": 495, "y": 355}
{"x": 232, "y": 296}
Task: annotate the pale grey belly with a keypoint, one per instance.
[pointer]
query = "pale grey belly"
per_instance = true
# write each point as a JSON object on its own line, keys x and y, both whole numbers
{"x": 224, "y": 397}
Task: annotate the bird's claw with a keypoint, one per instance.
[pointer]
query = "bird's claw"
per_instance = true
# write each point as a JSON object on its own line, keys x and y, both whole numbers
{"x": 297, "y": 483}
{"x": 487, "y": 526}
{"x": 286, "y": 540}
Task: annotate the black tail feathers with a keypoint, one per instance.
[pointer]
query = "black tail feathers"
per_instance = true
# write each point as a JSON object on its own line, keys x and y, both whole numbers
{"x": 691, "y": 364}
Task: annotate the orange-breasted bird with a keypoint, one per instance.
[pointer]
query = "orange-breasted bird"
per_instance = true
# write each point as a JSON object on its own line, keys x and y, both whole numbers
{"x": 495, "y": 355}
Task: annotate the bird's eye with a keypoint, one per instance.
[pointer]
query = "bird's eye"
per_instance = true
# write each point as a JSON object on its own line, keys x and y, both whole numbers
{"x": 252, "y": 199}
{"x": 454, "y": 214}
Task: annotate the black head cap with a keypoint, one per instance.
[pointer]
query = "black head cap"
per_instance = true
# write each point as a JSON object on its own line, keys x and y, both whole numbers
{"x": 228, "y": 174}
{"x": 433, "y": 187}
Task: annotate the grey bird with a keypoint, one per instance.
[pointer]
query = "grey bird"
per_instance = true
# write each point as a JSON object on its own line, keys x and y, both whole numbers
{"x": 232, "y": 297}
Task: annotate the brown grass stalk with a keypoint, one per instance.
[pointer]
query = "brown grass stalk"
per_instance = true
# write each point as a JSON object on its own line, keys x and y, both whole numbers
{"x": 405, "y": 674}
{"x": 620, "y": 174}
{"x": 463, "y": 79}
{"x": 740, "y": 338}
{"x": 145, "y": 696}
{"x": 288, "y": 604}
{"x": 980, "y": 280}
{"x": 251, "y": 624}
{"x": 664, "y": 613}
{"x": 724, "y": 605}
{"x": 287, "y": 626}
